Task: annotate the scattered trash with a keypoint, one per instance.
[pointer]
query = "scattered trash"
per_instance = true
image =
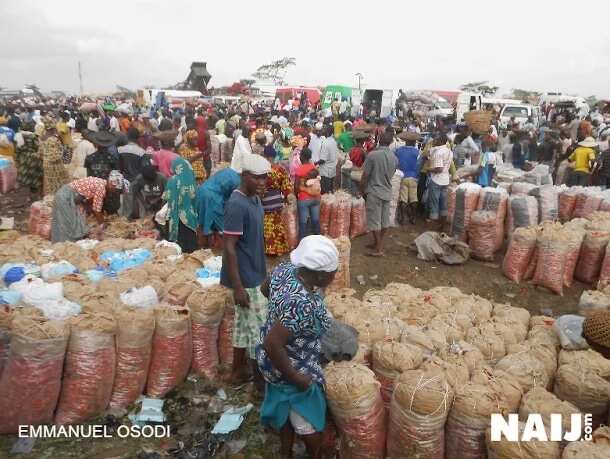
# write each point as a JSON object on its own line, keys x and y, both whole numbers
{"x": 7, "y": 223}
{"x": 360, "y": 279}
{"x": 510, "y": 295}
{"x": 151, "y": 411}
{"x": 235, "y": 446}
{"x": 374, "y": 277}
{"x": 23, "y": 445}
{"x": 433, "y": 246}
{"x": 221, "y": 394}
{"x": 231, "y": 419}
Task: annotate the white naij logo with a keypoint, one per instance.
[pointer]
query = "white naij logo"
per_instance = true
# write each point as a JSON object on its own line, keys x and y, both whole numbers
{"x": 581, "y": 427}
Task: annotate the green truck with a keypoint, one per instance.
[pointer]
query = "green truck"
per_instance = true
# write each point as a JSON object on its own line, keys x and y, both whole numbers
{"x": 333, "y": 92}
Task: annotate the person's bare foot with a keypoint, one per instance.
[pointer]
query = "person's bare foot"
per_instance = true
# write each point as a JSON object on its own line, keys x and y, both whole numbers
{"x": 375, "y": 254}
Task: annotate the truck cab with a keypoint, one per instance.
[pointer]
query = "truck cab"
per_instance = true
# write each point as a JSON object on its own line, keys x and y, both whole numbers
{"x": 380, "y": 98}
{"x": 521, "y": 112}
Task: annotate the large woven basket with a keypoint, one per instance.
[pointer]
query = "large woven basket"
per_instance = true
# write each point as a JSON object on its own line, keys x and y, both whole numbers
{"x": 478, "y": 121}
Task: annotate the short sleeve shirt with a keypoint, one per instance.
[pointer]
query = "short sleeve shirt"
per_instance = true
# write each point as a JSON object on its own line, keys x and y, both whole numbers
{"x": 581, "y": 156}
{"x": 440, "y": 157}
{"x": 93, "y": 189}
{"x": 244, "y": 218}
{"x": 303, "y": 313}
{"x": 380, "y": 166}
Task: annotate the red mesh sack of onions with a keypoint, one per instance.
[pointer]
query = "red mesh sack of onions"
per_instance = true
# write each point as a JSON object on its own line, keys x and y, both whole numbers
{"x": 31, "y": 381}
{"x": 89, "y": 370}
{"x": 327, "y": 202}
{"x": 482, "y": 232}
{"x": 134, "y": 343}
{"x": 466, "y": 200}
{"x": 290, "y": 221}
{"x": 592, "y": 255}
{"x": 495, "y": 200}
{"x": 357, "y": 408}
{"x": 357, "y": 226}
{"x": 551, "y": 251}
{"x": 588, "y": 201}
{"x": 519, "y": 254}
{"x": 340, "y": 216}
{"x": 172, "y": 350}
{"x": 225, "y": 337}
{"x": 567, "y": 202}
{"x": 207, "y": 307}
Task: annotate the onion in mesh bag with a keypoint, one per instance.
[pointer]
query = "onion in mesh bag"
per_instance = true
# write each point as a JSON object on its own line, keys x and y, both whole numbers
{"x": 519, "y": 253}
{"x": 355, "y": 402}
{"x": 531, "y": 449}
{"x": 593, "y": 360}
{"x": 541, "y": 401}
{"x": 591, "y": 256}
{"x": 567, "y": 202}
{"x": 419, "y": 408}
{"x": 482, "y": 234}
{"x": 551, "y": 251}
{"x": 528, "y": 370}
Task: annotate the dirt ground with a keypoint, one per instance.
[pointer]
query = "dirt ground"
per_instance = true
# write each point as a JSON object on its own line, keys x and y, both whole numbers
{"x": 191, "y": 420}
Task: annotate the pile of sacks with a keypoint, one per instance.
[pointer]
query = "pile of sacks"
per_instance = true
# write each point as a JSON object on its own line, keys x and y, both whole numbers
{"x": 554, "y": 254}
{"x": 432, "y": 366}
{"x": 342, "y": 215}
{"x": 137, "y": 330}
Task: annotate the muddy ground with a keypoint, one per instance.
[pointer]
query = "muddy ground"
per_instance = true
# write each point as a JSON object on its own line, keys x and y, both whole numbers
{"x": 193, "y": 408}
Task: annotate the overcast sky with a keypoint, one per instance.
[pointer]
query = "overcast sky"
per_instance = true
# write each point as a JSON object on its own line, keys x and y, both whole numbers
{"x": 539, "y": 45}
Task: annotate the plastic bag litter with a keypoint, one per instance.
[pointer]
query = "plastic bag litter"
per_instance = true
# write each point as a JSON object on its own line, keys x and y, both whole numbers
{"x": 433, "y": 246}
{"x": 569, "y": 330}
{"x": 482, "y": 234}
{"x": 592, "y": 300}
{"x": 51, "y": 271}
{"x": 340, "y": 342}
{"x": 592, "y": 253}
{"x": 166, "y": 248}
{"x": 31, "y": 381}
{"x": 171, "y": 351}
{"x": 119, "y": 261}
{"x": 357, "y": 218}
{"x": 133, "y": 349}
{"x": 145, "y": 297}
{"x": 519, "y": 253}
{"x": 466, "y": 200}
{"x": 89, "y": 370}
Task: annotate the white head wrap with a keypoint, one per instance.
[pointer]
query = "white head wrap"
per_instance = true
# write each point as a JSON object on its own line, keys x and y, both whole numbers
{"x": 255, "y": 164}
{"x": 116, "y": 179}
{"x": 317, "y": 253}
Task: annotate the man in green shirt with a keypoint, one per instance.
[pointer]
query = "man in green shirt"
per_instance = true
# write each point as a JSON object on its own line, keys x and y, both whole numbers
{"x": 346, "y": 139}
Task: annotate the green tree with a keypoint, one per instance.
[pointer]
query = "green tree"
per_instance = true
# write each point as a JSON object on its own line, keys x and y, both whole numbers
{"x": 275, "y": 71}
{"x": 480, "y": 86}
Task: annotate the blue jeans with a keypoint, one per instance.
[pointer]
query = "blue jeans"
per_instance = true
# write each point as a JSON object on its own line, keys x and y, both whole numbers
{"x": 308, "y": 209}
{"x": 437, "y": 200}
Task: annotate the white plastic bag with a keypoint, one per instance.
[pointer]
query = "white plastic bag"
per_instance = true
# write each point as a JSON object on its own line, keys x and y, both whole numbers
{"x": 57, "y": 270}
{"x": 161, "y": 216}
{"x": 145, "y": 297}
{"x": 170, "y": 244}
{"x": 37, "y": 292}
{"x": 569, "y": 331}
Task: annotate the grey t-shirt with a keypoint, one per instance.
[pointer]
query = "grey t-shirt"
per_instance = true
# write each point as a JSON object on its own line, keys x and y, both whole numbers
{"x": 329, "y": 153}
{"x": 244, "y": 218}
{"x": 379, "y": 167}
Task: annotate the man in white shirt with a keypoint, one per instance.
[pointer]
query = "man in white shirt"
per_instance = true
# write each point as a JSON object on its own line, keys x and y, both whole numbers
{"x": 315, "y": 142}
{"x": 242, "y": 149}
{"x": 92, "y": 123}
{"x": 114, "y": 123}
{"x": 440, "y": 161}
{"x": 327, "y": 164}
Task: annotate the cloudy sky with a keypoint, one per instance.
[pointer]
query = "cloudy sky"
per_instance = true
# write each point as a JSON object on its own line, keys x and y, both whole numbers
{"x": 539, "y": 45}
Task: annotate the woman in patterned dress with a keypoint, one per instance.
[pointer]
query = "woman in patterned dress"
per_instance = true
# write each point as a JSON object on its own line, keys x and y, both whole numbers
{"x": 181, "y": 212}
{"x": 29, "y": 164}
{"x": 289, "y": 357}
{"x": 50, "y": 151}
{"x": 189, "y": 150}
{"x": 278, "y": 189}
{"x": 68, "y": 221}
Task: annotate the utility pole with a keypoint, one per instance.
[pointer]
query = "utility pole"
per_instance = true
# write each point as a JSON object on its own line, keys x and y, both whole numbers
{"x": 80, "y": 78}
{"x": 359, "y": 76}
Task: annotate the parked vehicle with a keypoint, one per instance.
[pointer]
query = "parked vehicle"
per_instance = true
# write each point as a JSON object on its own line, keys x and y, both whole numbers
{"x": 333, "y": 92}
{"x": 521, "y": 113}
{"x": 380, "y": 98}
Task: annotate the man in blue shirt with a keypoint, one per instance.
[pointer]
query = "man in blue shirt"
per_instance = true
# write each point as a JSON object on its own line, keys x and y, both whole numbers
{"x": 409, "y": 165}
{"x": 243, "y": 262}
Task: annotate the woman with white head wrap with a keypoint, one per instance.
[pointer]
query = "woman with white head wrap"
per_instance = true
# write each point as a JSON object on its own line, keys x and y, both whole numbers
{"x": 289, "y": 357}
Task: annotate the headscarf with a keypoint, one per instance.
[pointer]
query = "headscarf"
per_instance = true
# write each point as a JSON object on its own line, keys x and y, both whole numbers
{"x": 116, "y": 179}
{"x": 317, "y": 253}
{"x": 49, "y": 122}
{"x": 180, "y": 197}
{"x": 190, "y": 134}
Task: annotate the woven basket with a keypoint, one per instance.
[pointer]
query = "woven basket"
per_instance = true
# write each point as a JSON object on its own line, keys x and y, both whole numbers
{"x": 479, "y": 121}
